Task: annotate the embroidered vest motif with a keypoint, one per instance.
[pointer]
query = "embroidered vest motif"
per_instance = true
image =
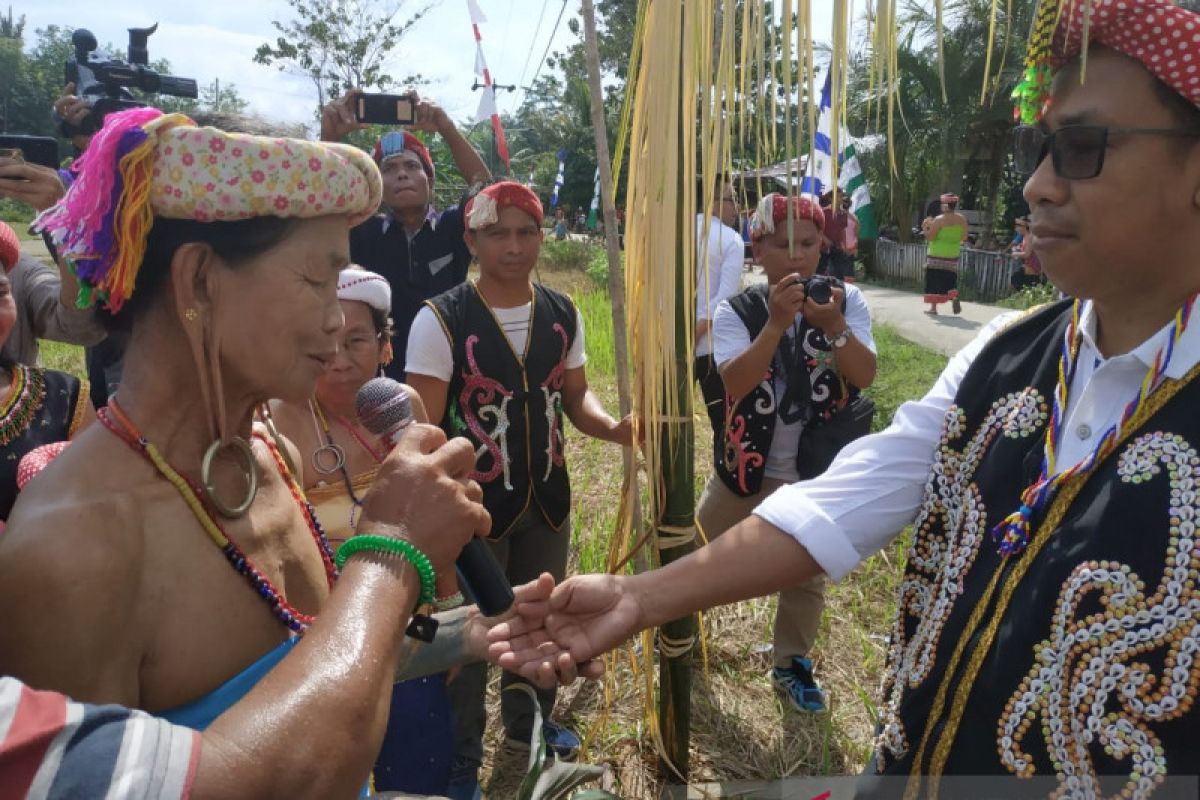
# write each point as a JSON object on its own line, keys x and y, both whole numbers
{"x": 510, "y": 405}
{"x": 1076, "y": 657}
{"x": 741, "y": 459}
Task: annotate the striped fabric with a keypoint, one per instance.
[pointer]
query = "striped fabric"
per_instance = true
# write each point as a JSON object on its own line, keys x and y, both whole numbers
{"x": 51, "y": 747}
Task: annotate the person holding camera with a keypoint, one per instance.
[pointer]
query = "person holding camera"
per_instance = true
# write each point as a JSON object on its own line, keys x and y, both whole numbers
{"x": 418, "y": 249}
{"x": 794, "y": 355}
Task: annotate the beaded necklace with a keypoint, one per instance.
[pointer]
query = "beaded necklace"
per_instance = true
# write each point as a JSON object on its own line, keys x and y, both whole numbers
{"x": 25, "y": 397}
{"x": 1012, "y": 534}
{"x": 115, "y": 420}
{"x": 319, "y": 414}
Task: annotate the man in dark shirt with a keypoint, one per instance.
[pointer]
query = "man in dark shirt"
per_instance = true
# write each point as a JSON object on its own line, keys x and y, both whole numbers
{"x": 420, "y": 251}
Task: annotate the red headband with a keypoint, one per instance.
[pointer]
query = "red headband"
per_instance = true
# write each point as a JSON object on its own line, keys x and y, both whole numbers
{"x": 804, "y": 206}
{"x": 10, "y": 247}
{"x": 484, "y": 208}
{"x": 1157, "y": 33}
{"x": 394, "y": 143}
{"x": 948, "y": 198}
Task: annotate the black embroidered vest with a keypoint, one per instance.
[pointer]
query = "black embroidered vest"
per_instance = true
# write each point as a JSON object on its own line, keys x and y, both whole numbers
{"x": 1077, "y": 656}
{"x": 43, "y": 407}
{"x": 741, "y": 459}
{"x": 510, "y": 406}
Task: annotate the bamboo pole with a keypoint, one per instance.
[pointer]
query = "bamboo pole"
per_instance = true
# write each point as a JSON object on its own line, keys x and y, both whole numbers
{"x": 616, "y": 273}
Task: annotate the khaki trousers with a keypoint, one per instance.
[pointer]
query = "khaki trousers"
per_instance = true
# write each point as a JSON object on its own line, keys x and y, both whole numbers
{"x": 799, "y": 614}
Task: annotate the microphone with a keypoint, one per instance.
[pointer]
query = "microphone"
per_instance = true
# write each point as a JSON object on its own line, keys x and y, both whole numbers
{"x": 385, "y": 410}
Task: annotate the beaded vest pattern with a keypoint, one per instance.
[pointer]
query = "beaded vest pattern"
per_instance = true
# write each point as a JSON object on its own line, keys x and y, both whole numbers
{"x": 1076, "y": 657}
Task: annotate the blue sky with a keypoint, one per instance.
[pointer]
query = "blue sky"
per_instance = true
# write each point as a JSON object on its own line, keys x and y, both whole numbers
{"x": 209, "y": 39}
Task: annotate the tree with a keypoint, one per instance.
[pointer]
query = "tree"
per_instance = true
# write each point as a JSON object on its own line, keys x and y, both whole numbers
{"x": 339, "y": 44}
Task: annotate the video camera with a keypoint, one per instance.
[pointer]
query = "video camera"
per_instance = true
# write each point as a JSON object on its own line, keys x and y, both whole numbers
{"x": 104, "y": 85}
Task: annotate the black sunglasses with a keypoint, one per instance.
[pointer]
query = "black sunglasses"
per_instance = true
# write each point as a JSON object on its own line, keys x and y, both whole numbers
{"x": 1077, "y": 151}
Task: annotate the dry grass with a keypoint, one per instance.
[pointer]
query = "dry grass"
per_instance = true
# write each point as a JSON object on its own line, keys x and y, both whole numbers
{"x": 740, "y": 728}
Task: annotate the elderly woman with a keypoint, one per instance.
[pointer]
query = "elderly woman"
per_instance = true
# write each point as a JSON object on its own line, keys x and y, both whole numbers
{"x": 339, "y": 460}
{"x": 39, "y": 406}
{"x": 168, "y": 559}
{"x": 945, "y": 234}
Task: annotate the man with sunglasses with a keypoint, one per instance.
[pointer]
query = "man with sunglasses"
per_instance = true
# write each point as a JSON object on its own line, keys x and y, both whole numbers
{"x": 1048, "y": 619}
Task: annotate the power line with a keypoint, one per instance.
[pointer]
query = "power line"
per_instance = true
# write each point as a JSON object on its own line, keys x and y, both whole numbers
{"x": 529, "y": 54}
{"x": 547, "y": 50}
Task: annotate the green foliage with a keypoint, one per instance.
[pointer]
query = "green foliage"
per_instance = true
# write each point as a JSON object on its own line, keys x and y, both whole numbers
{"x": 567, "y": 254}
{"x": 548, "y": 778}
{"x": 596, "y": 310}
{"x": 340, "y": 44}
{"x": 597, "y": 266}
{"x": 1030, "y": 297}
{"x": 17, "y": 215}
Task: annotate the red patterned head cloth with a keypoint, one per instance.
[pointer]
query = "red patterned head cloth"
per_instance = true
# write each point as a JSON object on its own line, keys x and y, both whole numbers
{"x": 484, "y": 208}
{"x": 1162, "y": 36}
{"x": 396, "y": 142}
{"x": 773, "y": 208}
{"x": 949, "y": 199}
{"x": 144, "y": 164}
{"x": 37, "y": 460}
{"x": 10, "y": 247}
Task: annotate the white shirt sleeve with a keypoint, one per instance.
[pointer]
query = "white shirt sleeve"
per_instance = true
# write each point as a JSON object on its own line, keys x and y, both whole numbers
{"x": 577, "y": 354}
{"x": 858, "y": 316}
{"x": 730, "y": 337}
{"x": 733, "y": 260}
{"x": 428, "y": 347}
{"x": 874, "y": 487}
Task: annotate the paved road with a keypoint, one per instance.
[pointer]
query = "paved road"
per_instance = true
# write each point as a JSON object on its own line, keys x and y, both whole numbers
{"x": 946, "y": 333}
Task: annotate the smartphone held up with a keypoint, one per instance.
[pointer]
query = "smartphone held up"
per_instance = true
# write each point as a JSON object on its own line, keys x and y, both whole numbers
{"x": 386, "y": 109}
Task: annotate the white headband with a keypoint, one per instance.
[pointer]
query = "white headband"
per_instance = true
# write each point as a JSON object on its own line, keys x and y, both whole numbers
{"x": 365, "y": 287}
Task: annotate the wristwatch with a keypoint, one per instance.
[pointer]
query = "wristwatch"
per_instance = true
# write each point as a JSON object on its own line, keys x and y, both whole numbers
{"x": 841, "y": 339}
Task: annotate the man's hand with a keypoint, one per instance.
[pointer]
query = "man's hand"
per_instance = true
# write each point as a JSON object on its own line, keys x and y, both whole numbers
{"x": 784, "y": 301}
{"x": 338, "y": 119}
{"x": 622, "y": 432}
{"x": 430, "y": 117}
{"x": 423, "y": 486}
{"x": 586, "y": 616}
{"x": 31, "y": 184}
{"x": 826, "y": 316}
{"x": 72, "y": 109}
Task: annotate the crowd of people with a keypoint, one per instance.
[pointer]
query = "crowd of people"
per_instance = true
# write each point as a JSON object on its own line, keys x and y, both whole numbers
{"x": 221, "y": 559}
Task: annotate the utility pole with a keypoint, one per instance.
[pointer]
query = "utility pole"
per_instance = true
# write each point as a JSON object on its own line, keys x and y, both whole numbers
{"x": 494, "y": 153}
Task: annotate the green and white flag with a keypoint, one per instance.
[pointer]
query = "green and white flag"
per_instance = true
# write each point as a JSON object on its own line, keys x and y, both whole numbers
{"x": 594, "y": 212}
{"x": 818, "y": 178}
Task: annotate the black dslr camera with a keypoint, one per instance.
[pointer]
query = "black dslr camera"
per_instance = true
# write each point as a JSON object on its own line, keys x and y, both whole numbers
{"x": 104, "y": 85}
{"x": 818, "y": 288}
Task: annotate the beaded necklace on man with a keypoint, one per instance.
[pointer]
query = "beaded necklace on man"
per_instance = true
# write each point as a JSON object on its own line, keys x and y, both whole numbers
{"x": 1012, "y": 534}
{"x": 120, "y": 425}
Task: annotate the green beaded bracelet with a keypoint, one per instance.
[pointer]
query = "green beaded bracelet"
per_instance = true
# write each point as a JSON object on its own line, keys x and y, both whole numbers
{"x": 396, "y": 547}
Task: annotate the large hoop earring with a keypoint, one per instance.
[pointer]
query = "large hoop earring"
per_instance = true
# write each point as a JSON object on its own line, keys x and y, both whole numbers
{"x": 250, "y": 470}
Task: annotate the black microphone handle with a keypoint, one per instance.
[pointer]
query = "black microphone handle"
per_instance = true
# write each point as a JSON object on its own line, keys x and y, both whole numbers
{"x": 484, "y": 579}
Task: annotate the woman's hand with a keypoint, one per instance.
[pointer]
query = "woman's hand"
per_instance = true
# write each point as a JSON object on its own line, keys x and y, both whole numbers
{"x": 424, "y": 488}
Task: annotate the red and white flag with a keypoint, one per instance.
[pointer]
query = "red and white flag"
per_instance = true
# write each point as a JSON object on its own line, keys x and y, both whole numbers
{"x": 487, "y": 103}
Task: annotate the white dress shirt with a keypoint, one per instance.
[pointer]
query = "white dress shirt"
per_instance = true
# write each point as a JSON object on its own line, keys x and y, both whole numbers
{"x": 719, "y": 275}
{"x": 875, "y": 486}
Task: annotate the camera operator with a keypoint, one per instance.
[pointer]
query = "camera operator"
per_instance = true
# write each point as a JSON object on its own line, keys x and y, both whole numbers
{"x": 811, "y": 336}
{"x": 44, "y": 295}
{"x": 420, "y": 251}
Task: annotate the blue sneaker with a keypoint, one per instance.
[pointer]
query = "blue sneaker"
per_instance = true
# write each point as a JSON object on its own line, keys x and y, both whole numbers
{"x": 798, "y": 685}
{"x": 561, "y": 741}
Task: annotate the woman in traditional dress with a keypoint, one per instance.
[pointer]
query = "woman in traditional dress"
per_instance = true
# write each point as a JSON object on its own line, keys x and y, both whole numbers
{"x": 39, "y": 406}
{"x": 339, "y": 460}
{"x": 173, "y": 560}
{"x": 945, "y": 234}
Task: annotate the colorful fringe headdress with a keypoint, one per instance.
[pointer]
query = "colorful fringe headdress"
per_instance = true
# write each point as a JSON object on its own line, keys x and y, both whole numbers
{"x": 143, "y": 164}
{"x": 773, "y": 208}
{"x": 484, "y": 208}
{"x": 1162, "y": 36}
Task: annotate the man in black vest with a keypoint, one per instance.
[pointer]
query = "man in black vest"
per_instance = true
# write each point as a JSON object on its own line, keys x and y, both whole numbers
{"x": 419, "y": 250}
{"x": 499, "y": 361}
{"x": 1048, "y": 619}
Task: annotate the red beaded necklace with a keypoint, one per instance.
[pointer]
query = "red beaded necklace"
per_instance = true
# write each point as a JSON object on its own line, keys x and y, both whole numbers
{"x": 115, "y": 421}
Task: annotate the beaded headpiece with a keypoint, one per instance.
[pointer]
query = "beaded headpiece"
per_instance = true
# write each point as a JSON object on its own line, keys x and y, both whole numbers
{"x": 10, "y": 247}
{"x": 143, "y": 164}
{"x": 773, "y": 209}
{"x": 484, "y": 208}
{"x": 1162, "y": 36}
{"x": 394, "y": 143}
